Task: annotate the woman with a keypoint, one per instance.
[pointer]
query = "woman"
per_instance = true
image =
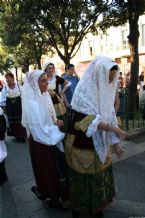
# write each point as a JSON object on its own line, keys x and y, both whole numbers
{"x": 11, "y": 98}
{"x": 3, "y": 175}
{"x": 54, "y": 88}
{"x": 93, "y": 128}
{"x": 46, "y": 149}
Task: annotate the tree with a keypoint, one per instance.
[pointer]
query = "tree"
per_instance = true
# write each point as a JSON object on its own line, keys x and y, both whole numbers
{"x": 35, "y": 45}
{"x": 73, "y": 21}
{"x": 122, "y": 12}
{"x": 26, "y": 45}
{"x": 64, "y": 22}
{"x": 5, "y": 62}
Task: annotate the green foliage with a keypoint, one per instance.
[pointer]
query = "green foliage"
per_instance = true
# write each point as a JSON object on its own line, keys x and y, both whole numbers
{"x": 5, "y": 62}
{"x": 121, "y": 11}
{"x": 24, "y": 41}
{"x": 62, "y": 23}
{"x": 67, "y": 22}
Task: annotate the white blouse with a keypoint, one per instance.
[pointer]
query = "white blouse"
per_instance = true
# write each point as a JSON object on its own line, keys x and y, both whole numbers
{"x": 9, "y": 93}
{"x": 47, "y": 135}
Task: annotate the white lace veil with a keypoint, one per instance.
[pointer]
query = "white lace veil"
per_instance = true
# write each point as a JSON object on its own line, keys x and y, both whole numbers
{"x": 52, "y": 83}
{"x": 94, "y": 95}
{"x": 37, "y": 107}
{"x": 46, "y": 65}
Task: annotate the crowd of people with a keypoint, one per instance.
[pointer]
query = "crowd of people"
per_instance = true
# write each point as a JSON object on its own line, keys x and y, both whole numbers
{"x": 123, "y": 87}
{"x": 67, "y": 161}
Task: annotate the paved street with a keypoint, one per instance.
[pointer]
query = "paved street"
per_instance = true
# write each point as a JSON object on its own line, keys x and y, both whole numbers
{"x": 17, "y": 201}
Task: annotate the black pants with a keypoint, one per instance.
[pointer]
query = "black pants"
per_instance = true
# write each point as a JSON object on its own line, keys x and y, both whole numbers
{"x": 3, "y": 175}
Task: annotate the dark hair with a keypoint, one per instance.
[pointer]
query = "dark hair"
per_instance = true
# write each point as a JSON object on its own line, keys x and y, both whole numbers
{"x": 115, "y": 67}
{"x": 50, "y": 64}
{"x": 69, "y": 66}
{"x": 144, "y": 87}
{"x": 10, "y": 75}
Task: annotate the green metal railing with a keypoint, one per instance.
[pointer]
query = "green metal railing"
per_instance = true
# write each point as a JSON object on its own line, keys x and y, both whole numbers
{"x": 130, "y": 121}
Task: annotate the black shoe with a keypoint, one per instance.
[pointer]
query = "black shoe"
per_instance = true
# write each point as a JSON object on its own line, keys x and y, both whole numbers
{"x": 3, "y": 180}
{"x": 34, "y": 189}
{"x": 75, "y": 214}
{"x": 57, "y": 205}
{"x": 9, "y": 132}
{"x": 23, "y": 140}
{"x": 100, "y": 215}
{"x": 17, "y": 139}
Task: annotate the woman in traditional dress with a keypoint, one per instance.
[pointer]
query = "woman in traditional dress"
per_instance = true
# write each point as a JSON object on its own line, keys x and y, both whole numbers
{"x": 92, "y": 129}
{"x": 54, "y": 87}
{"x": 46, "y": 148}
{"x": 3, "y": 174}
{"x": 11, "y": 99}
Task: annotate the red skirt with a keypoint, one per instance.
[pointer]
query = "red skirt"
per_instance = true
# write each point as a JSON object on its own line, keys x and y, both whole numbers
{"x": 49, "y": 169}
{"x": 18, "y": 130}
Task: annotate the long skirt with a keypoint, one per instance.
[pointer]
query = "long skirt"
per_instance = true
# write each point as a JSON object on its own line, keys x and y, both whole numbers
{"x": 49, "y": 169}
{"x": 91, "y": 193}
{"x": 14, "y": 114}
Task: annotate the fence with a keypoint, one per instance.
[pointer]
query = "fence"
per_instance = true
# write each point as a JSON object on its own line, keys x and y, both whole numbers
{"x": 133, "y": 120}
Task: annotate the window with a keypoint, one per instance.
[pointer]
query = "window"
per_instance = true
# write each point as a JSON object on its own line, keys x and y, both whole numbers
{"x": 124, "y": 37}
{"x": 118, "y": 60}
{"x": 143, "y": 35}
{"x": 128, "y": 59}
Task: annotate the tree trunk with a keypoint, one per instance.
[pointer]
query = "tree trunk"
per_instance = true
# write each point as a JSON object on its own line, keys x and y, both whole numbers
{"x": 133, "y": 42}
{"x": 66, "y": 57}
{"x": 39, "y": 64}
{"x": 67, "y": 62}
{"x": 38, "y": 61}
{"x": 16, "y": 68}
{"x": 26, "y": 67}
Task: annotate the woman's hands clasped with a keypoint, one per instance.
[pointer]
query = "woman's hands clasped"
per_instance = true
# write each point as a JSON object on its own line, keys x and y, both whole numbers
{"x": 60, "y": 123}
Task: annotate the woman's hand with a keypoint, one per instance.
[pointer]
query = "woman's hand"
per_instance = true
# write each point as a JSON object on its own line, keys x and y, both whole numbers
{"x": 118, "y": 150}
{"x": 52, "y": 93}
{"x": 60, "y": 123}
{"x": 120, "y": 133}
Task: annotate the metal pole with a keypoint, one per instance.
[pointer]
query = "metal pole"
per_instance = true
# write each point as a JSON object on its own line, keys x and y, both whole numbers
{"x": 126, "y": 110}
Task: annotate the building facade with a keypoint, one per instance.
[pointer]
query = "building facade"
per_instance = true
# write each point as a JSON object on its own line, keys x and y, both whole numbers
{"x": 113, "y": 44}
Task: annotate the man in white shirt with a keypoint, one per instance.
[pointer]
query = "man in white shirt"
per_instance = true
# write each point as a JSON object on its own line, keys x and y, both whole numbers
{"x": 142, "y": 98}
{"x": 142, "y": 102}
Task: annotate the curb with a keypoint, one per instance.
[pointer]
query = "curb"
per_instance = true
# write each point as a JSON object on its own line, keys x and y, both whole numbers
{"x": 134, "y": 134}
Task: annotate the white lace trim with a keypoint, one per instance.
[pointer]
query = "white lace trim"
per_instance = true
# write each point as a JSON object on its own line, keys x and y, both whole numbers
{"x": 95, "y": 95}
{"x": 93, "y": 126}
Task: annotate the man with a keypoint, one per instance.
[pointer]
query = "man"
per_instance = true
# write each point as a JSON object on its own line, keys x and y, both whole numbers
{"x": 142, "y": 97}
{"x": 72, "y": 77}
{"x": 142, "y": 101}
{"x": 141, "y": 77}
{"x": 121, "y": 80}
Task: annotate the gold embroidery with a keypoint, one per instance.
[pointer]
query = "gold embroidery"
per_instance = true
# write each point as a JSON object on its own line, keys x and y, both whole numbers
{"x": 84, "y": 161}
{"x": 84, "y": 123}
{"x": 60, "y": 108}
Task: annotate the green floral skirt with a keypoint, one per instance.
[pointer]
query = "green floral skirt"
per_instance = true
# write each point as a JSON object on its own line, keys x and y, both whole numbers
{"x": 91, "y": 193}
